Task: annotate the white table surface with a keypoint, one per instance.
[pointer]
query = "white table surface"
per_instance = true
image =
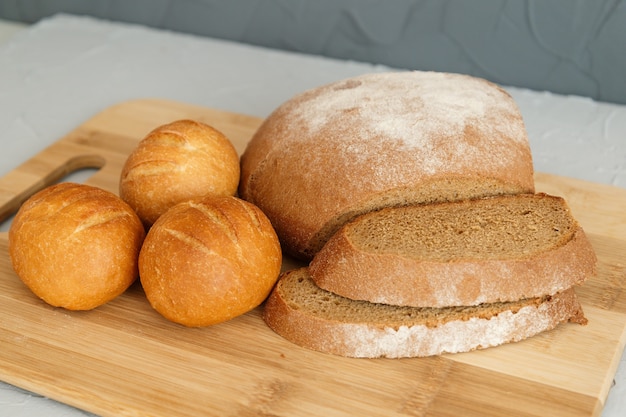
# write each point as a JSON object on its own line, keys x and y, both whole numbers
{"x": 58, "y": 73}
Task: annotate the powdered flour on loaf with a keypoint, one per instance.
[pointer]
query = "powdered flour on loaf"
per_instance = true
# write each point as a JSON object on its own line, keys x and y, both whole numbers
{"x": 410, "y": 109}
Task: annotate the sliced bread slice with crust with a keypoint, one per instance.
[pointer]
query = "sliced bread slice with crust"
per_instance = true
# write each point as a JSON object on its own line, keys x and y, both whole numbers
{"x": 317, "y": 319}
{"x": 465, "y": 253}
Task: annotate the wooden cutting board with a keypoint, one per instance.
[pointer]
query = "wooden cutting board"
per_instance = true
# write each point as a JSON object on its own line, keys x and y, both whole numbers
{"x": 123, "y": 359}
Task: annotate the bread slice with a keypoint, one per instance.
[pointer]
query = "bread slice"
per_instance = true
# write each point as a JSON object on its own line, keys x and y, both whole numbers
{"x": 464, "y": 253}
{"x": 317, "y": 319}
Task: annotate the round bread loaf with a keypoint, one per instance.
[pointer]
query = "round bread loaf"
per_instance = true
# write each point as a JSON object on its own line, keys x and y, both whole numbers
{"x": 175, "y": 162}
{"x": 75, "y": 246}
{"x": 380, "y": 140}
{"x": 208, "y": 260}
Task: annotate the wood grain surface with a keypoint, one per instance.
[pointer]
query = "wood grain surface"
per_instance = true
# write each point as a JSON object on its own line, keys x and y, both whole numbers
{"x": 123, "y": 359}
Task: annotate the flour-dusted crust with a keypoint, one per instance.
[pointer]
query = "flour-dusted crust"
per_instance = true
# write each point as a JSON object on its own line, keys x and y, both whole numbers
{"x": 380, "y": 140}
{"x": 320, "y": 320}
{"x": 547, "y": 252}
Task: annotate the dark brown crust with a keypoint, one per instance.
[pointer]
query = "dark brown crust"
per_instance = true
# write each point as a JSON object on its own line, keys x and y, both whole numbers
{"x": 308, "y": 181}
{"x": 344, "y": 269}
{"x": 370, "y": 340}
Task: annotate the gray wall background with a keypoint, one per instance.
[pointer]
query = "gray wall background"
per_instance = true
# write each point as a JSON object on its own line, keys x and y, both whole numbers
{"x": 564, "y": 46}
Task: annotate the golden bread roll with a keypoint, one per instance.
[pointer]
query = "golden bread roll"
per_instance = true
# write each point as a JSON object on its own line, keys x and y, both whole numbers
{"x": 76, "y": 246}
{"x": 175, "y": 162}
{"x": 208, "y": 260}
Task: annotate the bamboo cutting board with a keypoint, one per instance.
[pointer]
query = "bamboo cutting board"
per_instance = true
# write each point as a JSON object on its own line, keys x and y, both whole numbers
{"x": 123, "y": 359}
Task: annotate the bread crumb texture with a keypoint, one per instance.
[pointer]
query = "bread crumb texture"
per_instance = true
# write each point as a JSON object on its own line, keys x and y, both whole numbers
{"x": 489, "y": 228}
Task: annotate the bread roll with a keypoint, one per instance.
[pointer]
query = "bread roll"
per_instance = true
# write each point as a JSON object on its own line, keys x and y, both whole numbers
{"x": 75, "y": 246}
{"x": 466, "y": 253}
{"x": 175, "y": 162}
{"x": 320, "y": 320}
{"x": 378, "y": 140}
{"x": 208, "y": 260}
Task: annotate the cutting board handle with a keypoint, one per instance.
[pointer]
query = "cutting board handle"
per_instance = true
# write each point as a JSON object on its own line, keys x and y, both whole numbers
{"x": 44, "y": 169}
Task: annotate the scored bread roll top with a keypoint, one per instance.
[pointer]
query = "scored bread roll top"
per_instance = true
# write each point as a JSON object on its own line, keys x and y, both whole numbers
{"x": 208, "y": 260}
{"x": 380, "y": 140}
{"x": 76, "y": 246}
{"x": 176, "y": 162}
